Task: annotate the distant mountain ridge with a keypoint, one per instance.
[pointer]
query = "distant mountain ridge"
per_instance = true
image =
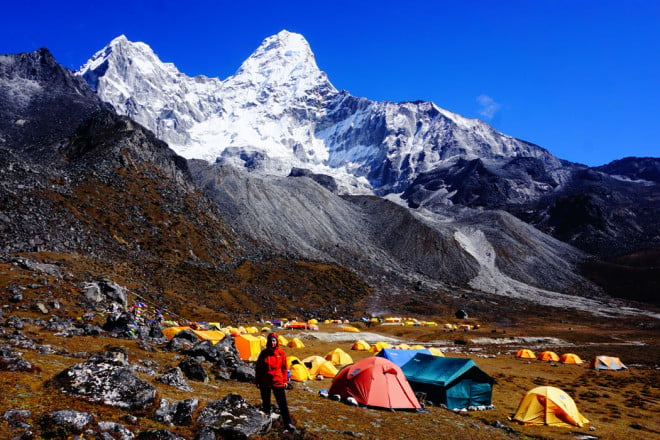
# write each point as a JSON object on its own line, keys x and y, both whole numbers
{"x": 280, "y": 114}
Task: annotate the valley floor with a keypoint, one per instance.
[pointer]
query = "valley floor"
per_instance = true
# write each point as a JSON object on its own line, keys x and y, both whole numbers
{"x": 618, "y": 404}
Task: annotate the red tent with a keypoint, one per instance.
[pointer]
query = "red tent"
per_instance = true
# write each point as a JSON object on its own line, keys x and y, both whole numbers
{"x": 377, "y": 382}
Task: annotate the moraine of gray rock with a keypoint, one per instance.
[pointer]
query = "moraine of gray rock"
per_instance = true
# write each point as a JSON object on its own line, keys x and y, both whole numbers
{"x": 232, "y": 417}
{"x": 106, "y": 378}
{"x": 64, "y": 423}
{"x": 174, "y": 377}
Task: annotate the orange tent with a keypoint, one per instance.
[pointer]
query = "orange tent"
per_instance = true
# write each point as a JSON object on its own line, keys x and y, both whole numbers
{"x": 295, "y": 343}
{"x": 248, "y": 347}
{"x": 361, "y": 345}
{"x": 570, "y": 358}
{"x": 376, "y": 382}
{"x": 525, "y": 353}
{"x": 549, "y": 356}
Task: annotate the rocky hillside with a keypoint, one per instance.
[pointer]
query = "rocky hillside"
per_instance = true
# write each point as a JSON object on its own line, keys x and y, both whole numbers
{"x": 102, "y": 191}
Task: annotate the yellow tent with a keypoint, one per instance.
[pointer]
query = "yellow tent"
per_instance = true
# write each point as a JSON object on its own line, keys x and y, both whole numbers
{"x": 436, "y": 352}
{"x": 378, "y": 346}
{"x": 169, "y": 332}
{"x": 570, "y": 358}
{"x": 325, "y": 369}
{"x": 214, "y": 336}
{"x": 549, "y": 356}
{"x": 525, "y": 353}
{"x": 313, "y": 362}
{"x": 417, "y": 347}
{"x": 248, "y": 347}
{"x": 549, "y": 406}
{"x": 295, "y": 343}
{"x": 283, "y": 341}
{"x": 252, "y": 330}
{"x": 313, "y": 321}
{"x": 339, "y": 357}
{"x": 361, "y": 346}
{"x": 319, "y": 366}
{"x": 262, "y": 340}
{"x": 402, "y": 347}
{"x": 299, "y": 373}
{"x": 292, "y": 360}
{"x": 349, "y": 328}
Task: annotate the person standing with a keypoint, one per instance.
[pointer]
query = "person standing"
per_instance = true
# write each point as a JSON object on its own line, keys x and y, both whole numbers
{"x": 271, "y": 374}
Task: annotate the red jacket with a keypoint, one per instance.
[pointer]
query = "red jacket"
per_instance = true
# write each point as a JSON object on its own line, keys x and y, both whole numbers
{"x": 270, "y": 370}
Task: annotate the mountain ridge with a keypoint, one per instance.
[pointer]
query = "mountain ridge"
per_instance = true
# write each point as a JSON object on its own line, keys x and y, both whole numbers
{"x": 299, "y": 119}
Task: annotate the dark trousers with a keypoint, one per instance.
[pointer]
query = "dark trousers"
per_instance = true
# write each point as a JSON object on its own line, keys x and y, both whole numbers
{"x": 280, "y": 398}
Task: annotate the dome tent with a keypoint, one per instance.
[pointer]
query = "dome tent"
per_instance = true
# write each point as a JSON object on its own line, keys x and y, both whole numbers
{"x": 607, "y": 363}
{"x": 525, "y": 353}
{"x": 570, "y": 358}
{"x": 339, "y": 357}
{"x": 549, "y": 356}
{"x": 548, "y": 406}
{"x": 375, "y": 382}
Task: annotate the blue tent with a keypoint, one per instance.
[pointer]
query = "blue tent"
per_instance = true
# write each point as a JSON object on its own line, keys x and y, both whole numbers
{"x": 400, "y": 357}
{"x": 455, "y": 382}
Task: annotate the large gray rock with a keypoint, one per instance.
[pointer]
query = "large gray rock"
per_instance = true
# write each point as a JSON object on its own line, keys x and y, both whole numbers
{"x": 115, "y": 431}
{"x": 174, "y": 377}
{"x": 159, "y": 434}
{"x": 106, "y": 378}
{"x": 193, "y": 370}
{"x": 64, "y": 423}
{"x": 233, "y": 417}
{"x": 179, "y": 413}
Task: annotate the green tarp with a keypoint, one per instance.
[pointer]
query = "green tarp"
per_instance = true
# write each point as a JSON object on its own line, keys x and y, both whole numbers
{"x": 455, "y": 382}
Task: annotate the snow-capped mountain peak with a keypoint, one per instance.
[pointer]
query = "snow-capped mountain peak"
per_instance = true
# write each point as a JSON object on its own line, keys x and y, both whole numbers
{"x": 280, "y": 111}
{"x": 284, "y": 59}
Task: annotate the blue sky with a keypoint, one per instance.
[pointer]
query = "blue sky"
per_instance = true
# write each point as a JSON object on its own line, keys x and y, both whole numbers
{"x": 580, "y": 78}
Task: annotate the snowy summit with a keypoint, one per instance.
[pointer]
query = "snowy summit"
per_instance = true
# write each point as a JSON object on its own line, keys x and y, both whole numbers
{"x": 279, "y": 111}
